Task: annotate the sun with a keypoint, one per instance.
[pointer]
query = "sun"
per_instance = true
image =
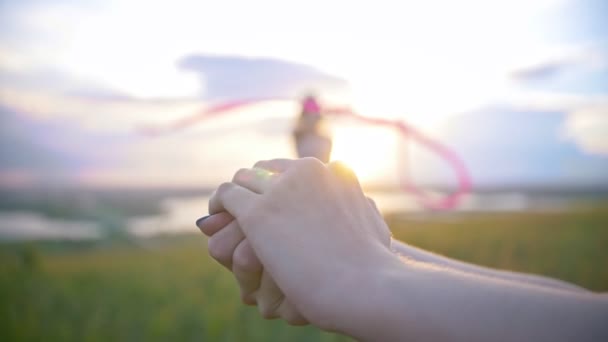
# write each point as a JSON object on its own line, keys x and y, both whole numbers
{"x": 369, "y": 151}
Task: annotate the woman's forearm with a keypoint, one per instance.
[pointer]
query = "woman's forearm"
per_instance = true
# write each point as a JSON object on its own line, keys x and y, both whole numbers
{"x": 420, "y": 255}
{"x": 422, "y": 303}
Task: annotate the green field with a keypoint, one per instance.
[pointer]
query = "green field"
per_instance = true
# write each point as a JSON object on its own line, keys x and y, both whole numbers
{"x": 169, "y": 289}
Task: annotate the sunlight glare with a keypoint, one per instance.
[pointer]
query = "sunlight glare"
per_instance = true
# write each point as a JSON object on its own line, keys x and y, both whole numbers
{"x": 366, "y": 150}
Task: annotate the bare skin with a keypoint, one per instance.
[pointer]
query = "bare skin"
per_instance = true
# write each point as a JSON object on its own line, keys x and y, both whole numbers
{"x": 330, "y": 262}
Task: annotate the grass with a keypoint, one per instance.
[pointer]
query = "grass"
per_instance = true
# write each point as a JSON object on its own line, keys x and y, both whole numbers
{"x": 169, "y": 289}
{"x": 571, "y": 245}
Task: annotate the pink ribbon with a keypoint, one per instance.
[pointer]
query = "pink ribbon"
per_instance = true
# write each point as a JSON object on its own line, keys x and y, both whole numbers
{"x": 447, "y": 202}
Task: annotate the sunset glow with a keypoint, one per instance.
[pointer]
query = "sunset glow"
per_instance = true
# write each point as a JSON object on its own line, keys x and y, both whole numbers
{"x": 77, "y": 80}
{"x": 368, "y": 151}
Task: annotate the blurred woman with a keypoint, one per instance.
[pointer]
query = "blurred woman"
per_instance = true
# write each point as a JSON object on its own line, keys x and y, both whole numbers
{"x": 311, "y": 136}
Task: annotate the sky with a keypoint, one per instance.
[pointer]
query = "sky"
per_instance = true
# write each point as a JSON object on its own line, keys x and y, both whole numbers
{"x": 519, "y": 89}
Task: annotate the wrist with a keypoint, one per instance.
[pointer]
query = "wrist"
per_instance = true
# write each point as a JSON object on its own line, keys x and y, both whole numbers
{"x": 363, "y": 312}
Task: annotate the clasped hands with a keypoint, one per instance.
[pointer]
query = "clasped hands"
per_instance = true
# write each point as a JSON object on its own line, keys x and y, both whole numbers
{"x": 301, "y": 239}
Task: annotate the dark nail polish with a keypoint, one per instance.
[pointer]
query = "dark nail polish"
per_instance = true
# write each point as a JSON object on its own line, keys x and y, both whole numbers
{"x": 200, "y": 220}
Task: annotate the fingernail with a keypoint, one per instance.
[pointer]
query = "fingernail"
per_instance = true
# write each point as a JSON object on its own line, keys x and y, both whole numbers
{"x": 199, "y": 222}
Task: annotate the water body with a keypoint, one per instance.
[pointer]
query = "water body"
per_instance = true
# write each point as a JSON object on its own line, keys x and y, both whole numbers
{"x": 178, "y": 215}
{"x": 33, "y": 226}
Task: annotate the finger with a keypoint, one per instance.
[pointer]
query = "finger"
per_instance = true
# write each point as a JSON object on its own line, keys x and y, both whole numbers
{"x": 289, "y": 313}
{"x": 387, "y": 238}
{"x": 222, "y": 245}
{"x": 343, "y": 171}
{"x": 373, "y": 204}
{"x": 274, "y": 165}
{"x": 346, "y": 176}
{"x": 232, "y": 198}
{"x": 247, "y": 270}
{"x": 269, "y": 297}
{"x": 256, "y": 179}
{"x": 214, "y": 223}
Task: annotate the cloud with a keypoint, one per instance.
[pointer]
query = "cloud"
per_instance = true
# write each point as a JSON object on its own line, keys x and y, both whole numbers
{"x": 505, "y": 146}
{"x": 49, "y": 151}
{"x": 585, "y": 117}
{"x": 51, "y": 137}
{"x": 56, "y": 82}
{"x": 573, "y": 84}
{"x": 229, "y": 77}
{"x": 579, "y": 59}
{"x": 551, "y": 69}
{"x": 51, "y": 143}
{"x": 543, "y": 71}
{"x": 93, "y": 113}
{"x": 551, "y": 101}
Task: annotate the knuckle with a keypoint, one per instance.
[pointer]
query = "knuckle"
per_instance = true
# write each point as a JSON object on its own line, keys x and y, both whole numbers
{"x": 372, "y": 203}
{"x": 261, "y": 163}
{"x": 388, "y": 238}
{"x": 248, "y": 299}
{"x": 240, "y": 174}
{"x": 309, "y": 167}
{"x": 312, "y": 164}
{"x": 342, "y": 170}
{"x": 338, "y": 164}
{"x": 269, "y": 306}
{"x": 218, "y": 250}
{"x": 266, "y": 311}
{"x": 278, "y": 164}
{"x": 215, "y": 202}
{"x": 223, "y": 188}
{"x": 244, "y": 259}
{"x": 292, "y": 317}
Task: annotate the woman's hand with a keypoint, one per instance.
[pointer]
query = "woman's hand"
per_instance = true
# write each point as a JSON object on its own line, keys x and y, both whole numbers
{"x": 229, "y": 247}
{"x": 314, "y": 231}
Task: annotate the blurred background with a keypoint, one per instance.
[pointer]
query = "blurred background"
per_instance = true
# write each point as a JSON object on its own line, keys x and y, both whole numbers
{"x": 97, "y": 218}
